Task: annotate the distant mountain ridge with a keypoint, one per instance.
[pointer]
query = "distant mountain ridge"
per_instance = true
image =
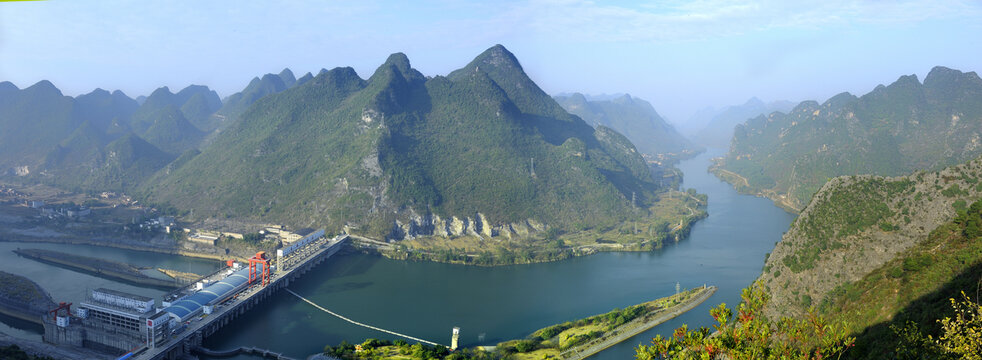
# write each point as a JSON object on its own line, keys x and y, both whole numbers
{"x": 718, "y": 129}
{"x": 631, "y": 116}
{"x": 258, "y": 88}
{"x": 97, "y": 141}
{"x": 482, "y": 151}
{"x": 892, "y": 130}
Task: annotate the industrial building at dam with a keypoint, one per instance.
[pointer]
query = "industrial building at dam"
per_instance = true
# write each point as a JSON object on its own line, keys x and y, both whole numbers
{"x": 133, "y": 326}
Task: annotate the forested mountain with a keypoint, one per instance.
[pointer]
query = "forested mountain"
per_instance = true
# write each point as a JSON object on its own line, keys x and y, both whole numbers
{"x": 33, "y": 120}
{"x": 719, "y": 124}
{"x": 481, "y": 151}
{"x": 88, "y": 142}
{"x": 237, "y": 103}
{"x": 198, "y": 105}
{"x": 872, "y": 252}
{"x": 109, "y": 112}
{"x": 161, "y": 121}
{"x": 631, "y": 116}
{"x": 893, "y": 130}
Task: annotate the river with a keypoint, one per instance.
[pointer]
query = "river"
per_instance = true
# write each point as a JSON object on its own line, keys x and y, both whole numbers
{"x": 427, "y": 300}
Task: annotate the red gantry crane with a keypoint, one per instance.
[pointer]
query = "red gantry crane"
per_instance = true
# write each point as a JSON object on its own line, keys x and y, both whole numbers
{"x": 260, "y": 258}
{"x": 61, "y": 306}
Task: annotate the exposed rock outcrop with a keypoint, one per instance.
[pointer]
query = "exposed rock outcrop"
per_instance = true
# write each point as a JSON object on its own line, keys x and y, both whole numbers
{"x": 477, "y": 226}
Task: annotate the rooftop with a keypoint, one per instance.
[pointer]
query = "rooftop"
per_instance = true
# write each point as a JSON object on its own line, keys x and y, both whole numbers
{"x": 140, "y": 298}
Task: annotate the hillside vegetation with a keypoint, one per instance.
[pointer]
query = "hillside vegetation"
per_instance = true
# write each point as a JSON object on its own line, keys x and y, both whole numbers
{"x": 856, "y": 224}
{"x": 906, "y": 296}
{"x": 893, "y": 130}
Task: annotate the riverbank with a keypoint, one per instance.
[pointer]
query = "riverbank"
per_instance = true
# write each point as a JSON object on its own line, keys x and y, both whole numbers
{"x": 741, "y": 185}
{"x": 678, "y": 212}
{"x": 109, "y": 269}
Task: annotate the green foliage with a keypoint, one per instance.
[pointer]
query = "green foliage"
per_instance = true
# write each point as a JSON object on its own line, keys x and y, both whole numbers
{"x": 752, "y": 336}
{"x": 253, "y": 238}
{"x": 917, "y": 263}
{"x": 525, "y": 346}
{"x": 953, "y": 191}
{"x": 962, "y": 334}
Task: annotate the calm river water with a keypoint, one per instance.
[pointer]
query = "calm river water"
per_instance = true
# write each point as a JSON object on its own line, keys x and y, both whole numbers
{"x": 427, "y": 300}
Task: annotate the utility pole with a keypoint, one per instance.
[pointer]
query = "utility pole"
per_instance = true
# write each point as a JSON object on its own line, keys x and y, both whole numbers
{"x": 677, "y": 288}
{"x": 533, "y": 167}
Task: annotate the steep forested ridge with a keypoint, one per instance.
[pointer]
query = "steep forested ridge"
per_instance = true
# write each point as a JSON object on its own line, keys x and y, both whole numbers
{"x": 893, "y": 130}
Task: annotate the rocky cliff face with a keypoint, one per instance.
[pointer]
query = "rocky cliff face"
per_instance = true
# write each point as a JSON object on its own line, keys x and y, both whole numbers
{"x": 478, "y": 226}
{"x": 855, "y": 224}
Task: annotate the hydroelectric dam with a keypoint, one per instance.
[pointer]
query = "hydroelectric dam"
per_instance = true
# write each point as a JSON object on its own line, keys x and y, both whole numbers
{"x": 121, "y": 323}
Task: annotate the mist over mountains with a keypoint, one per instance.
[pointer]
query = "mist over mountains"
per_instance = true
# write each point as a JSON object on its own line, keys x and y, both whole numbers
{"x": 712, "y": 127}
{"x": 631, "y": 116}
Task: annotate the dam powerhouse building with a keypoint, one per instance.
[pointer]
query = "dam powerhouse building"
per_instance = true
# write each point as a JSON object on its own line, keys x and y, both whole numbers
{"x": 117, "y": 322}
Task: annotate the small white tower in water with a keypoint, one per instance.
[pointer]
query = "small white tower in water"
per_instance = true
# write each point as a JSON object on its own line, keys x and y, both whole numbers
{"x": 454, "y": 338}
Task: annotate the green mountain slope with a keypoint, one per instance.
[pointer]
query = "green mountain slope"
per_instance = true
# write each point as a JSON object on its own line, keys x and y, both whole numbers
{"x": 914, "y": 287}
{"x": 161, "y": 122}
{"x": 893, "y": 130}
{"x": 104, "y": 110}
{"x": 33, "y": 121}
{"x": 198, "y": 105}
{"x": 269, "y": 84}
{"x": 82, "y": 163}
{"x": 402, "y": 155}
{"x": 79, "y": 144}
{"x": 857, "y": 224}
{"x": 631, "y": 116}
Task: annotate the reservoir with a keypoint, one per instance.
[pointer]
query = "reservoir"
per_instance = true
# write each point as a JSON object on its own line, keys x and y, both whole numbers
{"x": 427, "y": 300}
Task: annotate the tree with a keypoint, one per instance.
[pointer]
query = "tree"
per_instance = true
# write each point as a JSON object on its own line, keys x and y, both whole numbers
{"x": 752, "y": 336}
{"x": 963, "y": 333}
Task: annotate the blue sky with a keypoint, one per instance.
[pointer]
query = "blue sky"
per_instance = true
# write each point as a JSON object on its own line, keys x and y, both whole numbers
{"x": 679, "y": 55}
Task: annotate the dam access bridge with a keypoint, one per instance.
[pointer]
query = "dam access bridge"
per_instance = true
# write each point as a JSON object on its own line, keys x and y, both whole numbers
{"x": 242, "y": 293}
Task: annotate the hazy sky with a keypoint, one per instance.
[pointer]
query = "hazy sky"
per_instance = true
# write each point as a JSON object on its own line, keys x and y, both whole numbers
{"x": 679, "y": 55}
